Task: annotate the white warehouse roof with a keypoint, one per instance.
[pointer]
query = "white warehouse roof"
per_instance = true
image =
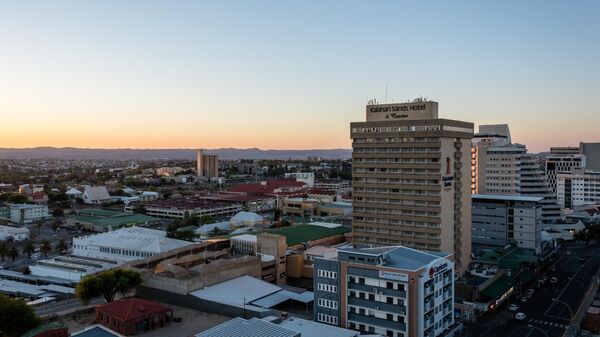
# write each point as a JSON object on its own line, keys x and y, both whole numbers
{"x": 135, "y": 238}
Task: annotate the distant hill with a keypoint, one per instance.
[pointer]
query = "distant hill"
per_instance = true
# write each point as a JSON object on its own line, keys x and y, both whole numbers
{"x": 149, "y": 154}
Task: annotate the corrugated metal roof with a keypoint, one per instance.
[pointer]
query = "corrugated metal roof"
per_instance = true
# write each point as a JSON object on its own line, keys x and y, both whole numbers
{"x": 254, "y": 327}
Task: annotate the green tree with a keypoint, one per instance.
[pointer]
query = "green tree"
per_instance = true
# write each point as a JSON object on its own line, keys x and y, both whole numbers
{"x": 28, "y": 249}
{"x": 206, "y": 219}
{"x": 107, "y": 284}
{"x": 62, "y": 246}
{"x": 45, "y": 247}
{"x": 17, "y": 199}
{"x": 17, "y": 317}
{"x": 58, "y": 212}
{"x": 13, "y": 253}
{"x": 3, "y": 250}
{"x": 55, "y": 225}
{"x": 186, "y": 235}
{"x": 139, "y": 209}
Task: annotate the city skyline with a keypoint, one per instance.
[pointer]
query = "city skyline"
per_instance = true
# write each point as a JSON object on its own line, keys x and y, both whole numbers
{"x": 289, "y": 76}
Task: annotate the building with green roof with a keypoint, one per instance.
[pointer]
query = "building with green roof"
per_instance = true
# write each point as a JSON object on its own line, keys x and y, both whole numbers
{"x": 100, "y": 220}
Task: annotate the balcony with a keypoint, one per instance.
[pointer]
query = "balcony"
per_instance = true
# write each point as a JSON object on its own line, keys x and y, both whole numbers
{"x": 379, "y": 306}
{"x": 381, "y": 291}
{"x": 370, "y": 320}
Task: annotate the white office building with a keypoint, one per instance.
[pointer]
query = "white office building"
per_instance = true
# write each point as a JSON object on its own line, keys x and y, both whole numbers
{"x": 28, "y": 213}
{"x": 306, "y": 177}
{"x": 579, "y": 188}
{"x": 16, "y": 233}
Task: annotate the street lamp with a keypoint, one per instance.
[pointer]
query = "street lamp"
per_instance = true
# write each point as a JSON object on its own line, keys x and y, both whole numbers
{"x": 568, "y": 307}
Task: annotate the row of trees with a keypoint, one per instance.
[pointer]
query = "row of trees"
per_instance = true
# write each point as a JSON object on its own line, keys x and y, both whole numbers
{"x": 45, "y": 247}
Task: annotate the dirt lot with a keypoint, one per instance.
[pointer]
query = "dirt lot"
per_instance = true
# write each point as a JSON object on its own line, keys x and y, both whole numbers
{"x": 192, "y": 322}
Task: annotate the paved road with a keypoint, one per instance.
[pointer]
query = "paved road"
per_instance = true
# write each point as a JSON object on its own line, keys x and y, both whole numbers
{"x": 65, "y": 306}
{"x": 550, "y": 310}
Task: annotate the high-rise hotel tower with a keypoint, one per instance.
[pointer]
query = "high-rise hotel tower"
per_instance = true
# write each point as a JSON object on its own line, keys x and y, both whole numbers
{"x": 411, "y": 175}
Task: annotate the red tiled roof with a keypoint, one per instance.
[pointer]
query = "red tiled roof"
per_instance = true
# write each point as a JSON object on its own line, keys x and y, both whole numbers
{"x": 131, "y": 308}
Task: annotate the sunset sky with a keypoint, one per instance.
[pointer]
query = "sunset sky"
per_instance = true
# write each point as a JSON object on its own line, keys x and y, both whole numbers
{"x": 290, "y": 75}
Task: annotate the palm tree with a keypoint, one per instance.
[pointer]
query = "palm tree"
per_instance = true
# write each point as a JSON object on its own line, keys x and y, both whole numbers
{"x": 3, "y": 250}
{"x": 55, "y": 225}
{"x": 28, "y": 249}
{"x": 45, "y": 247}
{"x": 13, "y": 253}
{"x": 62, "y": 246}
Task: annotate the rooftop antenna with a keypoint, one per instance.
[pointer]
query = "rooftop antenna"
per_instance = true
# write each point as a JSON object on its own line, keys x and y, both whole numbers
{"x": 386, "y": 92}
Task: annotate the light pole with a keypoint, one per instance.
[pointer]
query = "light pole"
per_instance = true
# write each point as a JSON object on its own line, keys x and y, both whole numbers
{"x": 568, "y": 307}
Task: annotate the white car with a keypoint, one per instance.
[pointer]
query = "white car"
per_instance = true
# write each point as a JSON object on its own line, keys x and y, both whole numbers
{"x": 553, "y": 280}
{"x": 513, "y": 307}
{"x": 520, "y": 316}
{"x": 523, "y": 299}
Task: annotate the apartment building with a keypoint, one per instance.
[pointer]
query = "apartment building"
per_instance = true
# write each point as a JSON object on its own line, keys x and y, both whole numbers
{"x": 411, "y": 178}
{"x": 207, "y": 165}
{"x": 391, "y": 291}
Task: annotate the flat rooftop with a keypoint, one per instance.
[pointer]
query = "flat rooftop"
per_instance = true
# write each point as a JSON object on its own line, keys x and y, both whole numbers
{"x": 398, "y": 257}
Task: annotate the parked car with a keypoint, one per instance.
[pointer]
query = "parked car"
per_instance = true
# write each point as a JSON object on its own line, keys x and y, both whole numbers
{"x": 544, "y": 278}
{"x": 520, "y": 316}
{"x": 513, "y": 307}
{"x": 553, "y": 279}
{"x": 523, "y": 299}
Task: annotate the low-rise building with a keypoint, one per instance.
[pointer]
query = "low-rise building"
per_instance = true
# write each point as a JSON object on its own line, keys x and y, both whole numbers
{"x": 276, "y": 327}
{"x": 337, "y": 185}
{"x": 179, "y": 207}
{"x": 100, "y": 220}
{"x": 16, "y": 233}
{"x": 28, "y": 213}
{"x": 577, "y": 189}
{"x": 392, "y": 291}
{"x": 132, "y": 316}
{"x": 126, "y": 244}
{"x": 305, "y": 177}
{"x": 72, "y": 267}
{"x": 96, "y": 195}
{"x": 30, "y": 188}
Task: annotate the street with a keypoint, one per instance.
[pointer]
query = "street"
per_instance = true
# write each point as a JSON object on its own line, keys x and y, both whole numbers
{"x": 552, "y": 307}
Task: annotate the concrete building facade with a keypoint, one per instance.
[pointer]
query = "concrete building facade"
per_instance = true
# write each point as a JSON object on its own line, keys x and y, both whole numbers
{"x": 391, "y": 291}
{"x": 579, "y": 188}
{"x": 207, "y": 165}
{"x": 501, "y": 167}
{"x": 411, "y": 179}
{"x": 28, "y": 213}
{"x": 499, "y": 220}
